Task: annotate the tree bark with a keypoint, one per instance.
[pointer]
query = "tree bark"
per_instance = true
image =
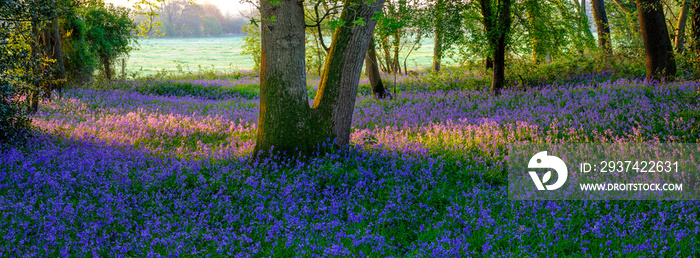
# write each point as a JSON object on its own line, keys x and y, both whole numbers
{"x": 695, "y": 25}
{"x": 497, "y": 27}
{"x": 437, "y": 48}
{"x": 47, "y": 51}
{"x": 657, "y": 45}
{"x": 335, "y": 100}
{"x": 499, "y": 57}
{"x": 534, "y": 15}
{"x": 286, "y": 123}
{"x": 33, "y": 98}
{"x": 283, "y": 122}
{"x": 375, "y": 79}
{"x": 396, "y": 66}
{"x": 437, "y": 51}
{"x": 57, "y": 54}
{"x": 601, "y": 22}
{"x": 387, "y": 55}
{"x": 488, "y": 63}
{"x": 107, "y": 64}
{"x": 679, "y": 42}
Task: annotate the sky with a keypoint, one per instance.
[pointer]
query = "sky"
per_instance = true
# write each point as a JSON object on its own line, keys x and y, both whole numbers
{"x": 226, "y": 6}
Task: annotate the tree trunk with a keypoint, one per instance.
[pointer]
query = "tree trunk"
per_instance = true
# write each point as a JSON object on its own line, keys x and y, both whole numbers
{"x": 387, "y": 55}
{"x": 657, "y": 45}
{"x": 375, "y": 79}
{"x": 33, "y": 99}
{"x": 601, "y": 23}
{"x": 437, "y": 51}
{"x": 286, "y": 123}
{"x": 437, "y": 48}
{"x": 695, "y": 25}
{"x": 396, "y": 66}
{"x": 283, "y": 122}
{"x": 335, "y": 101}
{"x": 585, "y": 27}
{"x": 497, "y": 25}
{"x": 488, "y": 63}
{"x": 499, "y": 58}
{"x": 679, "y": 43}
{"x": 57, "y": 54}
{"x": 47, "y": 51}
{"x": 534, "y": 16}
{"x": 107, "y": 64}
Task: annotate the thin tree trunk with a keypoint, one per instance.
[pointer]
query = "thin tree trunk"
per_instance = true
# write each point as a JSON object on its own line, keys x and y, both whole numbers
{"x": 680, "y": 28}
{"x": 628, "y": 9}
{"x": 335, "y": 101}
{"x": 375, "y": 79}
{"x": 405, "y": 59}
{"x": 695, "y": 26}
{"x": 283, "y": 122}
{"x": 39, "y": 69}
{"x": 437, "y": 48}
{"x": 601, "y": 22}
{"x": 657, "y": 45}
{"x": 47, "y": 51}
{"x": 533, "y": 16}
{"x": 396, "y": 65}
{"x": 387, "y": 55}
{"x": 57, "y": 53}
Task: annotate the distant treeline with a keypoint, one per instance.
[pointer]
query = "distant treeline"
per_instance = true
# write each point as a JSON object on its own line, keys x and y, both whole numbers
{"x": 179, "y": 18}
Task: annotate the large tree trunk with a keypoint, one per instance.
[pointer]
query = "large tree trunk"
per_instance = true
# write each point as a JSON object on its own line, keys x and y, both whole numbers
{"x": 657, "y": 45}
{"x": 375, "y": 78}
{"x": 497, "y": 25}
{"x": 437, "y": 48}
{"x": 679, "y": 43}
{"x": 286, "y": 122}
{"x": 499, "y": 63}
{"x": 283, "y": 122}
{"x": 335, "y": 101}
{"x": 601, "y": 23}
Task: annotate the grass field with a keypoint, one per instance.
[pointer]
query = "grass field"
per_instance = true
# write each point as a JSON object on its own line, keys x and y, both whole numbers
{"x": 217, "y": 53}
{"x": 221, "y": 54}
{"x": 159, "y": 168}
